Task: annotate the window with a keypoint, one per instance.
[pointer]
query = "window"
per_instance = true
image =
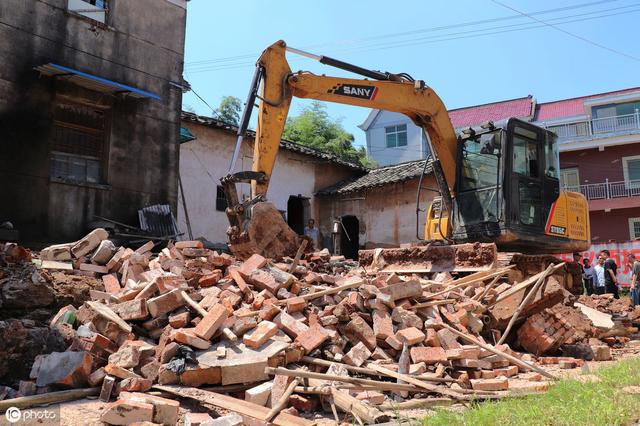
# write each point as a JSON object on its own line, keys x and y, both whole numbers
{"x": 631, "y": 169}
{"x": 396, "y": 135}
{"x": 570, "y": 179}
{"x": 221, "y": 199}
{"x": 634, "y": 227}
{"x": 93, "y": 9}
{"x": 525, "y": 154}
{"x": 78, "y": 143}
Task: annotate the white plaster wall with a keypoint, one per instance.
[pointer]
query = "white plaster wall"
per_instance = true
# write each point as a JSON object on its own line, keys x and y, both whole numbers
{"x": 205, "y": 160}
{"x": 376, "y": 140}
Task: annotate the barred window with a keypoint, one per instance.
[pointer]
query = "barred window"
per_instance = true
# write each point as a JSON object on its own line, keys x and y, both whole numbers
{"x": 221, "y": 199}
{"x": 78, "y": 143}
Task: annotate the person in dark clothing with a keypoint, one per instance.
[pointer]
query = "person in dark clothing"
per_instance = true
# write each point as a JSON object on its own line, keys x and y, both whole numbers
{"x": 588, "y": 276}
{"x": 610, "y": 274}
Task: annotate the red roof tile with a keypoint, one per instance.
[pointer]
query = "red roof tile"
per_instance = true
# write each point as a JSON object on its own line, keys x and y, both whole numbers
{"x": 478, "y": 114}
{"x": 570, "y": 107}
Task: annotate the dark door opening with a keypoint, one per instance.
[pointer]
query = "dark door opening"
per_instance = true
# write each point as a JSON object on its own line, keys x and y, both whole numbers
{"x": 296, "y": 206}
{"x": 349, "y": 237}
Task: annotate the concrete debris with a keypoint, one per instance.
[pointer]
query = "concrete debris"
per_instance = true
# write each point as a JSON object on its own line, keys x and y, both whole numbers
{"x": 193, "y": 317}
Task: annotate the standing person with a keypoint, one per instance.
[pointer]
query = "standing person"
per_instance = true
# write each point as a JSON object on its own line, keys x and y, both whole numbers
{"x": 635, "y": 278}
{"x": 599, "y": 282}
{"x": 312, "y": 232}
{"x": 577, "y": 257}
{"x": 610, "y": 272}
{"x": 588, "y": 276}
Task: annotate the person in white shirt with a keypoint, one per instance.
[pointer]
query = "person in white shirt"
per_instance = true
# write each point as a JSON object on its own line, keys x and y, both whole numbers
{"x": 314, "y": 233}
{"x": 599, "y": 282}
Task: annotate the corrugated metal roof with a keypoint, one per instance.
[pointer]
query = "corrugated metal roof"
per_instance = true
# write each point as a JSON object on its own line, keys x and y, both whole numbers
{"x": 291, "y": 146}
{"x": 378, "y": 177}
{"x": 93, "y": 82}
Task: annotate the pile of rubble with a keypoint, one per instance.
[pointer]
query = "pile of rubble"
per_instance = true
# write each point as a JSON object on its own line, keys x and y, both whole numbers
{"x": 273, "y": 340}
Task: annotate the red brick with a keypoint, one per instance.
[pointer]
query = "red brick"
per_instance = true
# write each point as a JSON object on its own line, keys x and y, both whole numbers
{"x": 111, "y": 284}
{"x": 123, "y": 412}
{"x": 188, "y": 337}
{"x": 490, "y": 384}
{"x": 254, "y": 262}
{"x": 382, "y": 324}
{"x": 211, "y": 322}
{"x": 428, "y": 355}
{"x": 410, "y": 336}
{"x": 394, "y": 342}
{"x": 165, "y": 411}
{"x": 302, "y": 403}
{"x": 359, "y": 330}
{"x": 290, "y": 325}
{"x": 165, "y": 303}
{"x": 263, "y": 280}
{"x": 188, "y": 244}
{"x": 357, "y": 355}
{"x": 371, "y": 397}
{"x": 240, "y": 282}
{"x": 211, "y": 279}
{"x": 431, "y": 338}
{"x": 260, "y": 335}
{"x": 312, "y": 338}
{"x": 135, "y": 384}
{"x": 296, "y": 304}
{"x": 89, "y": 267}
{"x": 131, "y": 310}
{"x": 179, "y": 320}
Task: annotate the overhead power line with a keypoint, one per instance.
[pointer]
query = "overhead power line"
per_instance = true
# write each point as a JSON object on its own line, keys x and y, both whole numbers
{"x": 586, "y": 40}
{"x": 622, "y": 10}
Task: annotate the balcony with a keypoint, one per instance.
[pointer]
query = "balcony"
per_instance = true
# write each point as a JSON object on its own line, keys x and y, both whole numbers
{"x": 597, "y": 127}
{"x": 609, "y": 195}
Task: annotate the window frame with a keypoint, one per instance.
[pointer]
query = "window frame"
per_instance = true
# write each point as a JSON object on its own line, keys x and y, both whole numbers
{"x": 396, "y": 132}
{"x": 564, "y": 170}
{"x": 625, "y": 170}
{"x": 632, "y": 221}
{"x": 104, "y": 135}
{"x": 87, "y": 15}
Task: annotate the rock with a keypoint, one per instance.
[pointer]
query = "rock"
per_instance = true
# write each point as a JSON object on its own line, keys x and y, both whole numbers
{"x": 65, "y": 368}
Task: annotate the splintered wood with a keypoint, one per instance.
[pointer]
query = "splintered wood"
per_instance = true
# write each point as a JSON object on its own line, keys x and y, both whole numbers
{"x": 294, "y": 335}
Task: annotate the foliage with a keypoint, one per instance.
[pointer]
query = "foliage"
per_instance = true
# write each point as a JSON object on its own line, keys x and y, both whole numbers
{"x": 229, "y": 110}
{"x": 314, "y": 128}
{"x": 570, "y": 402}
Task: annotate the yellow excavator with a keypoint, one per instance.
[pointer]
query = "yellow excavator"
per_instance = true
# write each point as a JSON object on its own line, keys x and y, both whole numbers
{"x": 497, "y": 183}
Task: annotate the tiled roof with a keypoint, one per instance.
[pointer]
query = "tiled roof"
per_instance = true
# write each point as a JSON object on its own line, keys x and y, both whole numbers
{"x": 378, "y": 177}
{"x": 478, "y": 114}
{"x": 570, "y": 107}
{"x": 288, "y": 145}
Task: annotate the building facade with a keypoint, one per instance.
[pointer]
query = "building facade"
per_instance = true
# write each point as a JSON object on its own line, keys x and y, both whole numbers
{"x": 599, "y": 141}
{"x": 90, "y": 101}
{"x": 298, "y": 173}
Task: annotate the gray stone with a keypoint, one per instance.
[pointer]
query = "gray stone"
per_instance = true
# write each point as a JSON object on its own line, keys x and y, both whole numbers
{"x": 104, "y": 252}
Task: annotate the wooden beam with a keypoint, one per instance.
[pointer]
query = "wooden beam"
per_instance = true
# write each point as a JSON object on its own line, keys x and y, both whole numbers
{"x": 47, "y": 398}
{"x": 244, "y": 408}
{"x": 298, "y": 255}
{"x": 333, "y": 290}
{"x": 349, "y": 404}
{"x": 278, "y": 406}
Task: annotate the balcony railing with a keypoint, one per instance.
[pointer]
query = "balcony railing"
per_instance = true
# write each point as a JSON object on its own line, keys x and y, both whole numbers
{"x": 607, "y": 190}
{"x": 597, "y": 126}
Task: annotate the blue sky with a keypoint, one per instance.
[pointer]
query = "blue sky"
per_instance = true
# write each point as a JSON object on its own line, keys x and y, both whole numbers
{"x": 465, "y": 64}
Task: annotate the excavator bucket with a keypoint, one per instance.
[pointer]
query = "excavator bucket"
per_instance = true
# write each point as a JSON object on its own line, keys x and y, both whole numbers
{"x": 431, "y": 258}
{"x": 266, "y": 233}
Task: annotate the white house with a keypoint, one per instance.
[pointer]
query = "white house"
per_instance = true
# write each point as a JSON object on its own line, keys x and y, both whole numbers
{"x": 392, "y": 138}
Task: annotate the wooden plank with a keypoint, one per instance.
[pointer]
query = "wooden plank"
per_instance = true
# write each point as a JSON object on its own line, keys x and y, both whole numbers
{"x": 412, "y": 380}
{"x": 298, "y": 255}
{"x": 239, "y": 406}
{"x": 470, "y": 279}
{"x": 47, "y": 398}
{"x": 333, "y": 290}
{"x": 351, "y": 405}
{"x": 278, "y": 406}
{"x": 106, "y": 312}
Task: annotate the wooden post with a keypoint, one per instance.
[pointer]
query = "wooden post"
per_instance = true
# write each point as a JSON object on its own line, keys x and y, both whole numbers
{"x": 299, "y": 253}
{"x": 349, "y": 404}
{"x": 47, "y": 398}
{"x": 282, "y": 402}
{"x": 524, "y": 303}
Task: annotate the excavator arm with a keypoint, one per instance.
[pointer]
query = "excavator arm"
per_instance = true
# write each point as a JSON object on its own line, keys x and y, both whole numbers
{"x": 274, "y": 85}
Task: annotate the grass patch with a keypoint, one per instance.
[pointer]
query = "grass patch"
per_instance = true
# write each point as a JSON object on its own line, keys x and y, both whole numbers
{"x": 569, "y": 402}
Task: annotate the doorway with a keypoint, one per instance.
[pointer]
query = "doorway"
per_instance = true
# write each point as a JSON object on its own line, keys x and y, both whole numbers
{"x": 349, "y": 237}
{"x": 297, "y": 213}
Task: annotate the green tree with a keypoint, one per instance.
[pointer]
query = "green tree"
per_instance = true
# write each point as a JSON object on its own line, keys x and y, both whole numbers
{"x": 229, "y": 110}
{"x": 314, "y": 128}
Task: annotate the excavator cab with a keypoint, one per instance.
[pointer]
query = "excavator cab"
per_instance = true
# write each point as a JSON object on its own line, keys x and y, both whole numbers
{"x": 508, "y": 192}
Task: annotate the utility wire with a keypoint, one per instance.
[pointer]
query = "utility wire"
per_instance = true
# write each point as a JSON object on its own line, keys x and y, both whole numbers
{"x": 445, "y": 37}
{"x": 404, "y": 33}
{"x": 586, "y": 40}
